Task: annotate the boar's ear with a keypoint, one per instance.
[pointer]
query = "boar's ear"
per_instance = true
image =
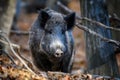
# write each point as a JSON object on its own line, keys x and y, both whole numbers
{"x": 70, "y": 19}
{"x": 43, "y": 17}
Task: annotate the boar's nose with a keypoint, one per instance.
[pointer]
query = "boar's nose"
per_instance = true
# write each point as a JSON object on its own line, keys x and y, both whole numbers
{"x": 58, "y": 53}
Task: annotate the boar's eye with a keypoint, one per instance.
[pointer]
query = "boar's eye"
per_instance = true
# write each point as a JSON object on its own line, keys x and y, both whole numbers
{"x": 48, "y": 31}
{"x": 63, "y": 31}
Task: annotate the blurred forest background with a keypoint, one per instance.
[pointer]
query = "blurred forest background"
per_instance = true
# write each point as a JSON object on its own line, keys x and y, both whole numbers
{"x": 26, "y": 11}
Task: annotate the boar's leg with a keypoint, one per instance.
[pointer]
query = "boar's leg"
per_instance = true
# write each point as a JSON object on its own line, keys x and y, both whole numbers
{"x": 68, "y": 63}
{"x": 41, "y": 61}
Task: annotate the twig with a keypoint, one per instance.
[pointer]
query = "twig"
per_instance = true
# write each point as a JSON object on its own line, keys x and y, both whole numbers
{"x": 20, "y": 32}
{"x": 115, "y": 17}
{"x": 8, "y": 55}
{"x": 100, "y": 24}
{"x": 85, "y": 18}
{"x": 13, "y": 51}
{"x": 19, "y": 53}
{"x": 117, "y": 43}
{"x": 14, "y": 45}
{"x": 18, "y": 50}
{"x": 19, "y": 57}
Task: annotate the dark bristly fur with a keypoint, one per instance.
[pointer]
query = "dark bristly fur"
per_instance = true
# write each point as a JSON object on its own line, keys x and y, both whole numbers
{"x": 51, "y": 41}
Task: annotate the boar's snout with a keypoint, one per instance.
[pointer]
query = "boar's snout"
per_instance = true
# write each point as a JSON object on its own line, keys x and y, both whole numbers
{"x": 58, "y": 53}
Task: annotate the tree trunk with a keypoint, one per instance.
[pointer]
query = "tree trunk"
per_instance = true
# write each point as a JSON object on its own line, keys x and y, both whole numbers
{"x": 7, "y": 10}
{"x": 100, "y": 55}
{"x": 6, "y": 14}
{"x": 114, "y": 11}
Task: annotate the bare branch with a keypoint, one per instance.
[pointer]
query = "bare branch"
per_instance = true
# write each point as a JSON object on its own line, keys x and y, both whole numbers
{"x": 13, "y": 45}
{"x": 19, "y": 53}
{"x": 117, "y": 43}
{"x": 100, "y": 24}
{"x": 13, "y": 51}
{"x": 19, "y": 57}
{"x": 85, "y": 18}
{"x": 6, "y": 53}
{"x": 20, "y": 32}
{"x": 115, "y": 17}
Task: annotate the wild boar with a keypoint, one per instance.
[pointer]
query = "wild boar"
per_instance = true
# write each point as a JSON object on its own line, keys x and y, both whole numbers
{"x": 51, "y": 41}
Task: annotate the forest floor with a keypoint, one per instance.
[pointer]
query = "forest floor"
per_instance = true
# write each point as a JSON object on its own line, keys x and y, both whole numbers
{"x": 7, "y": 71}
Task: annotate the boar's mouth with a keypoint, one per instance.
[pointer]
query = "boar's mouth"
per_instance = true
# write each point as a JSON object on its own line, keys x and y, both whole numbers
{"x": 52, "y": 58}
{"x": 55, "y": 59}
